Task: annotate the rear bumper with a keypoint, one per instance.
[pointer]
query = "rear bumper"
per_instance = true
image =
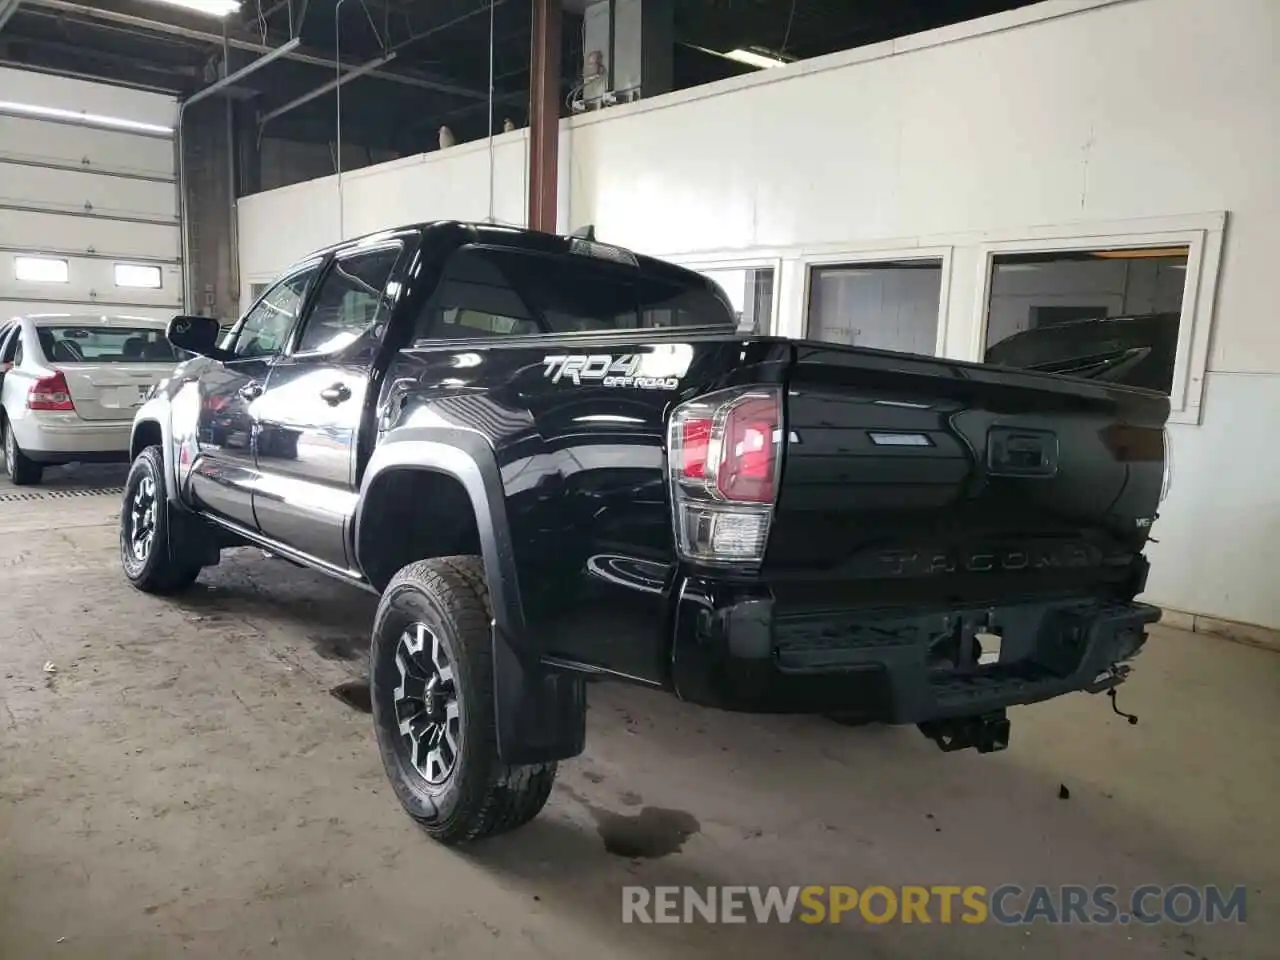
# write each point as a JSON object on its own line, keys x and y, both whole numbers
{"x": 736, "y": 651}
{"x": 60, "y": 437}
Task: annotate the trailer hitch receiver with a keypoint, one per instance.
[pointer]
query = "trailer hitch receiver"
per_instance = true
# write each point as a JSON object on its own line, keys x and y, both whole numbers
{"x": 984, "y": 732}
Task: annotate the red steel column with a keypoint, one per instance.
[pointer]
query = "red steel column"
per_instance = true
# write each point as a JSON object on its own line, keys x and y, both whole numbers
{"x": 544, "y": 114}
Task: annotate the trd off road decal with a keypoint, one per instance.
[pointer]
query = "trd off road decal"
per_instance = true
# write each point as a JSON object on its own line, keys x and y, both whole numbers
{"x": 640, "y": 371}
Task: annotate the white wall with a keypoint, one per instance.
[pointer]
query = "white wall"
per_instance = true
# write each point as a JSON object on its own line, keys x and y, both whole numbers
{"x": 280, "y": 226}
{"x": 1053, "y": 118}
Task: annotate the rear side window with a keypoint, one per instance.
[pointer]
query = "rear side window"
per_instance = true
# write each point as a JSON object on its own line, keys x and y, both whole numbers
{"x": 89, "y": 344}
{"x": 489, "y": 292}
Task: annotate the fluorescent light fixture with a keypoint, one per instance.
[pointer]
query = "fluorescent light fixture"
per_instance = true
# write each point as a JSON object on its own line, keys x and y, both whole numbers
{"x": 214, "y": 8}
{"x": 753, "y": 58}
{"x": 74, "y": 116}
{"x": 41, "y": 269}
{"x": 143, "y": 275}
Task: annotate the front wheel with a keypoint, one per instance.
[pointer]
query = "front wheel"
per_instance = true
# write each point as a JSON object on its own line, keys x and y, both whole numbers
{"x": 148, "y": 559}
{"x": 431, "y": 677}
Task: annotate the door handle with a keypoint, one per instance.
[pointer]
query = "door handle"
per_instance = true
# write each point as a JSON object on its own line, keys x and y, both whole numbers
{"x": 250, "y": 391}
{"x": 336, "y": 394}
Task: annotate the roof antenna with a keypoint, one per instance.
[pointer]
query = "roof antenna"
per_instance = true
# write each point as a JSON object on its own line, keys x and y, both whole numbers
{"x": 585, "y": 233}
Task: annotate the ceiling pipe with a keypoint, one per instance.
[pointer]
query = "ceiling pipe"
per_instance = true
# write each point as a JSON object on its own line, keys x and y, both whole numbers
{"x": 337, "y": 159}
{"x": 205, "y": 36}
{"x": 324, "y": 88}
{"x": 195, "y": 98}
{"x": 493, "y": 4}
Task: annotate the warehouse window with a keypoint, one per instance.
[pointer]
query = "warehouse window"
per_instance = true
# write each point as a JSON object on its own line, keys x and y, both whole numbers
{"x": 1104, "y": 314}
{"x": 142, "y": 275}
{"x": 41, "y": 269}
{"x": 887, "y": 305}
{"x": 750, "y": 291}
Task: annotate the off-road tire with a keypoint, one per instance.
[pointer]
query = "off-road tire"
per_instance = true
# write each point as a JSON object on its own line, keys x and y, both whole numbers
{"x": 22, "y": 470}
{"x": 160, "y": 572}
{"x": 481, "y": 795}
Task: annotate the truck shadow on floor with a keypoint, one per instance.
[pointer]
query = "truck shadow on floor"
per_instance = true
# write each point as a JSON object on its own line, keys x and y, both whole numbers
{"x": 334, "y": 617}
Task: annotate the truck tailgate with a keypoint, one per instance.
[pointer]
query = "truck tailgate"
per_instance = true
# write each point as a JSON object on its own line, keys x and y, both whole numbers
{"x": 922, "y": 479}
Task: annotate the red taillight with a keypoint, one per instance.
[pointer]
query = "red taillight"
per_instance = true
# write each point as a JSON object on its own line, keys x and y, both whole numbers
{"x": 724, "y": 450}
{"x": 748, "y": 463}
{"x": 695, "y": 434}
{"x": 50, "y": 393}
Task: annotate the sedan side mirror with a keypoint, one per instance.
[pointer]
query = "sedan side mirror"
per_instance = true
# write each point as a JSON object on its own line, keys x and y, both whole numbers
{"x": 198, "y": 335}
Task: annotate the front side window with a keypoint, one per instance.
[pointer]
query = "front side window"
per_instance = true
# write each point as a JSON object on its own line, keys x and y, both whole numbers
{"x": 353, "y": 298}
{"x": 8, "y": 342}
{"x": 493, "y": 292}
{"x": 266, "y": 327}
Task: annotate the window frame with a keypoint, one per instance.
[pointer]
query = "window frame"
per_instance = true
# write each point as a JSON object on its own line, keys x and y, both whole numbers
{"x": 232, "y": 335}
{"x": 1202, "y": 235}
{"x": 309, "y": 302}
{"x": 882, "y": 257}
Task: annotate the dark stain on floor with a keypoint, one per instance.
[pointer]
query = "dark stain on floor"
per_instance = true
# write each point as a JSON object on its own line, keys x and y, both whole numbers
{"x": 333, "y": 647}
{"x": 355, "y": 694}
{"x": 651, "y": 833}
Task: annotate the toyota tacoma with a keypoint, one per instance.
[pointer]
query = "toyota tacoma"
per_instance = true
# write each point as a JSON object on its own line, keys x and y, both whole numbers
{"x": 555, "y": 460}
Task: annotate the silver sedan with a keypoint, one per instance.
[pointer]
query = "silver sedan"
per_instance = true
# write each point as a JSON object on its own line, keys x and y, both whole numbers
{"x": 70, "y": 387}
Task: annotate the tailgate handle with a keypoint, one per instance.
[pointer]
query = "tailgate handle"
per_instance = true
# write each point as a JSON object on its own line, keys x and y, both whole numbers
{"x": 1022, "y": 453}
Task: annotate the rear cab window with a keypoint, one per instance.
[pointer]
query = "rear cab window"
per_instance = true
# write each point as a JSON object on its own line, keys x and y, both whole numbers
{"x": 488, "y": 291}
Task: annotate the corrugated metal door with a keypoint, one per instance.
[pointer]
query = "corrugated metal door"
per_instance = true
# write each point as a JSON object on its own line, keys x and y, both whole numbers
{"x": 88, "y": 202}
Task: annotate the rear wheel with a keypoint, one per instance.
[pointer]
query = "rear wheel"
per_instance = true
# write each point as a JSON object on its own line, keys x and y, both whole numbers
{"x": 22, "y": 470}
{"x": 146, "y": 554}
{"x": 431, "y": 677}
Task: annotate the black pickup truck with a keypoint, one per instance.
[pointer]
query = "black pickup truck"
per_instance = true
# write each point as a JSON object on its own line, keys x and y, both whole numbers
{"x": 555, "y": 460}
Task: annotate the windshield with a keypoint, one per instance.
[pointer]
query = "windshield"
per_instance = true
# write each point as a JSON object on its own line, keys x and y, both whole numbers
{"x": 89, "y": 344}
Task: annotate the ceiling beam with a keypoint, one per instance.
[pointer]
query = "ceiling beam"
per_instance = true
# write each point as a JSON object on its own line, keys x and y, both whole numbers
{"x": 205, "y": 36}
{"x": 423, "y": 34}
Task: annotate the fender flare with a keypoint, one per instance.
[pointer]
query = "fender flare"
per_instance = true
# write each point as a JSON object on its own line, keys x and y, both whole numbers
{"x": 156, "y": 410}
{"x": 467, "y": 458}
{"x": 540, "y": 714}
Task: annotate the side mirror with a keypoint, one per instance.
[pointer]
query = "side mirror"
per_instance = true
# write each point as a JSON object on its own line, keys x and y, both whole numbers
{"x": 198, "y": 335}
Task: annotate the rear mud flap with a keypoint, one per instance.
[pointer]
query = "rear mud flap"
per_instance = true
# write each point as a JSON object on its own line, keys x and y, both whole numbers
{"x": 541, "y": 714}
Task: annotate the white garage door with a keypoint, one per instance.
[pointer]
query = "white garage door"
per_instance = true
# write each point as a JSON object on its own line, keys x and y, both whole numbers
{"x": 88, "y": 202}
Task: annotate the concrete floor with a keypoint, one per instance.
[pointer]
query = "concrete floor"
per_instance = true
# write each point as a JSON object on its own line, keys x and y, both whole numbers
{"x": 185, "y": 784}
